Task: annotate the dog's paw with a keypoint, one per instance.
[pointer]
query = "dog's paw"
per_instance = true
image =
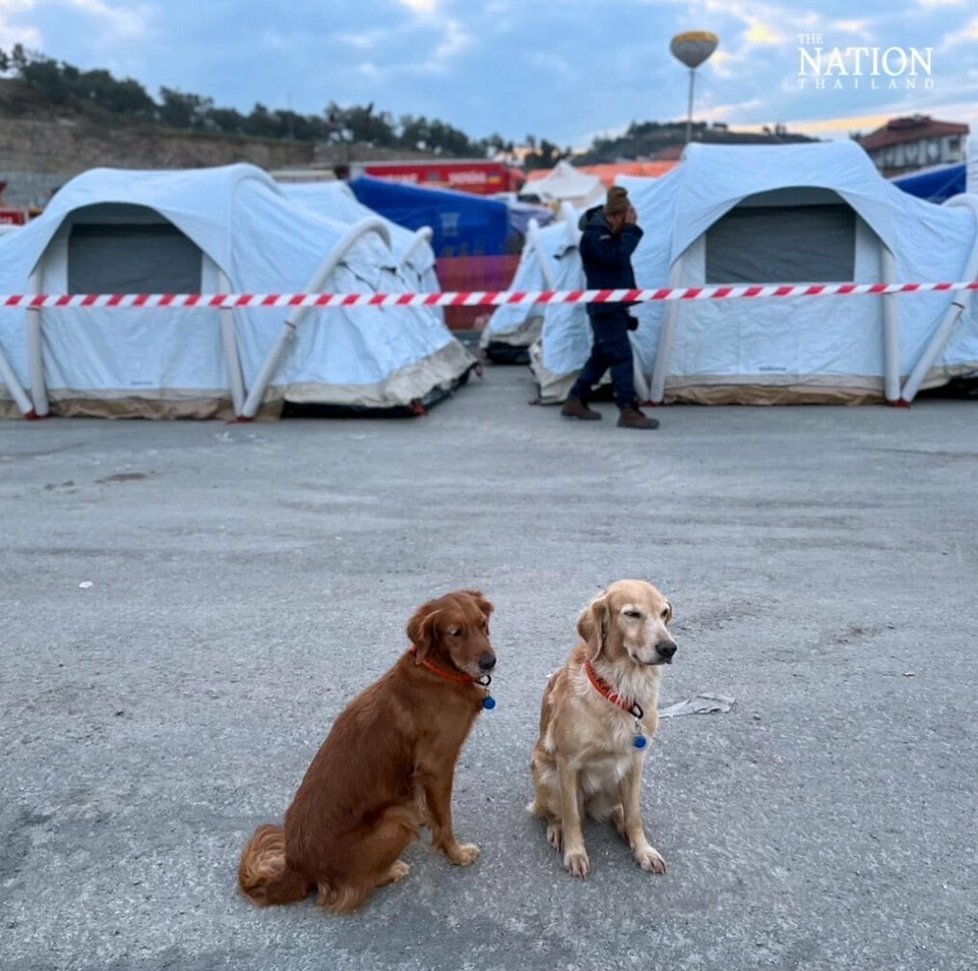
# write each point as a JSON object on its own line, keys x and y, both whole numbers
{"x": 577, "y": 863}
{"x": 462, "y": 854}
{"x": 555, "y": 836}
{"x": 398, "y": 871}
{"x": 650, "y": 860}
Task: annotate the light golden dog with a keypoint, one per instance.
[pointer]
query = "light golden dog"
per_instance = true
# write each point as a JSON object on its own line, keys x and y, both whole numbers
{"x": 597, "y": 718}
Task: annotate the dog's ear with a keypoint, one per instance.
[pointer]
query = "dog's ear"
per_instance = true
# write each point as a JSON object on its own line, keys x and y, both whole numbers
{"x": 421, "y": 630}
{"x": 592, "y": 625}
{"x": 480, "y": 601}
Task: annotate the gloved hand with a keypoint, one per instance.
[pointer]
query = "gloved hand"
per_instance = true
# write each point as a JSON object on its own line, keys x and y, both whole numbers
{"x": 632, "y": 323}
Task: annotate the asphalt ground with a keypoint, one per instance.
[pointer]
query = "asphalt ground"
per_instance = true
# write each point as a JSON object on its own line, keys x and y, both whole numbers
{"x": 186, "y": 606}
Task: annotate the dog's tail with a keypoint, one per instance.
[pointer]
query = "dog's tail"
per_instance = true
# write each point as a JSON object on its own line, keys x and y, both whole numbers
{"x": 264, "y": 874}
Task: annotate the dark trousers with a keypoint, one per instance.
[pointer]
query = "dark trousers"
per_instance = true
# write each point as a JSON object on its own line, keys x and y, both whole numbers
{"x": 611, "y": 350}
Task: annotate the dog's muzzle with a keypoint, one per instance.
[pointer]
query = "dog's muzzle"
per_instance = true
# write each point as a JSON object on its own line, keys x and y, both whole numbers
{"x": 665, "y": 650}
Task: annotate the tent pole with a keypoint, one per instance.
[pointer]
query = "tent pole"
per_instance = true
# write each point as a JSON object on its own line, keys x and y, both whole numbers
{"x": 641, "y": 384}
{"x": 549, "y": 277}
{"x": 421, "y": 236}
{"x": 371, "y": 224}
{"x": 891, "y": 332}
{"x": 35, "y": 353}
{"x": 229, "y": 339}
{"x": 657, "y": 390}
{"x": 16, "y": 389}
{"x": 569, "y": 215}
{"x": 952, "y": 315}
{"x": 268, "y": 369}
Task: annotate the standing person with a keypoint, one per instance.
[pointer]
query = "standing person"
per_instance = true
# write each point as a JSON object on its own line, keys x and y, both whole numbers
{"x": 610, "y": 235}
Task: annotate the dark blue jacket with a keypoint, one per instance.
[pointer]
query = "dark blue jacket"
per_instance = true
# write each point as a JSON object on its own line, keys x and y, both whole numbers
{"x": 607, "y": 258}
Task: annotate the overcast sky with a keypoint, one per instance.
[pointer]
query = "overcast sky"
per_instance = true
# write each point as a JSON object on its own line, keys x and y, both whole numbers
{"x": 565, "y": 70}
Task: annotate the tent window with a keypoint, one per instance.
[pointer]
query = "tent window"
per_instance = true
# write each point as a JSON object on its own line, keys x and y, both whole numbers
{"x": 782, "y": 244}
{"x": 132, "y": 258}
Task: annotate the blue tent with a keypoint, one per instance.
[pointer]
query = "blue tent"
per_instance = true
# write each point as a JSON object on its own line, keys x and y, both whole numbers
{"x": 936, "y": 184}
{"x": 463, "y": 224}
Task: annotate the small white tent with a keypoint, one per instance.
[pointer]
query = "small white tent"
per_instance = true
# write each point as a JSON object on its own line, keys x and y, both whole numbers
{"x": 227, "y": 229}
{"x": 564, "y": 183}
{"x": 548, "y": 262}
{"x": 788, "y": 214}
{"x": 411, "y": 248}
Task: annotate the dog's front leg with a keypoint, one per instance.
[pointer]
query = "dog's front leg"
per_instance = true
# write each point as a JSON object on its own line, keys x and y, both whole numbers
{"x": 631, "y": 798}
{"x": 575, "y": 855}
{"x": 437, "y": 787}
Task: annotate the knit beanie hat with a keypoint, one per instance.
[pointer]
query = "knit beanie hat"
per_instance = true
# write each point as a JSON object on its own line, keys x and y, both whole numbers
{"x": 617, "y": 201}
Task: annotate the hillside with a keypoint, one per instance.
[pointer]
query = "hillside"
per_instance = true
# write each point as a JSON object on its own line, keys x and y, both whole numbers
{"x": 652, "y": 139}
{"x": 42, "y": 146}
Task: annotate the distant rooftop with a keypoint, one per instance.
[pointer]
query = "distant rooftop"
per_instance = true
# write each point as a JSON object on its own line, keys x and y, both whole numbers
{"x": 910, "y": 129}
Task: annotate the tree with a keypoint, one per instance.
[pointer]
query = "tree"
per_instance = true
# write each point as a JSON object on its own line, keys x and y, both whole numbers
{"x": 415, "y": 133}
{"x": 359, "y": 123}
{"x": 44, "y": 75}
{"x": 121, "y": 97}
{"x": 546, "y": 158}
{"x": 180, "y": 110}
{"x": 18, "y": 58}
{"x": 131, "y": 98}
{"x": 65, "y": 84}
{"x": 260, "y": 123}
{"x": 228, "y": 121}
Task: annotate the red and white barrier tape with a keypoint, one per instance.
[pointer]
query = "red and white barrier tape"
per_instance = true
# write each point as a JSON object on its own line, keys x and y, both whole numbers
{"x": 476, "y": 298}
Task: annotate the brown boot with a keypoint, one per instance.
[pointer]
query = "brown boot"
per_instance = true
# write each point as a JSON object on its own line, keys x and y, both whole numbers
{"x": 575, "y": 408}
{"x": 633, "y": 418}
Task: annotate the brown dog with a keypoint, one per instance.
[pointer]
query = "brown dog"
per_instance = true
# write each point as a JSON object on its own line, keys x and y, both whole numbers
{"x": 597, "y": 718}
{"x": 386, "y": 767}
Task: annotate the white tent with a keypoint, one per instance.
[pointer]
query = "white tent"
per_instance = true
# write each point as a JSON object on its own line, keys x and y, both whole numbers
{"x": 565, "y": 183}
{"x": 788, "y": 214}
{"x": 411, "y": 248}
{"x": 548, "y": 262}
{"x": 227, "y": 229}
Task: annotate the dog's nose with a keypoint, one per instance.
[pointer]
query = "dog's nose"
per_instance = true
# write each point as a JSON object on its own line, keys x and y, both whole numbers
{"x": 488, "y": 661}
{"x": 666, "y": 649}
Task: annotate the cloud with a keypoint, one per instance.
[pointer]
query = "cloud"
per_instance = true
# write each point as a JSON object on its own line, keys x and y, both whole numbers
{"x": 123, "y": 20}
{"x": 426, "y": 7}
{"x": 760, "y": 34}
{"x": 12, "y": 33}
{"x": 552, "y": 64}
{"x": 967, "y": 34}
{"x": 15, "y": 7}
{"x": 456, "y": 40}
{"x": 366, "y": 40}
{"x": 859, "y": 28}
{"x": 505, "y": 66}
{"x": 841, "y": 126}
{"x": 730, "y": 112}
{"x": 370, "y": 71}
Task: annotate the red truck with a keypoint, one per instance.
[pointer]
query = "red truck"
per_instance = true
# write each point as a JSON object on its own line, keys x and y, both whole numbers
{"x": 15, "y": 215}
{"x": 477, "y": 176}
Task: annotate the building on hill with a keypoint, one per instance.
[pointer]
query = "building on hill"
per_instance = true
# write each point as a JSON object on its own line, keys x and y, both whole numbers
{"x": 916, "y": 142}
